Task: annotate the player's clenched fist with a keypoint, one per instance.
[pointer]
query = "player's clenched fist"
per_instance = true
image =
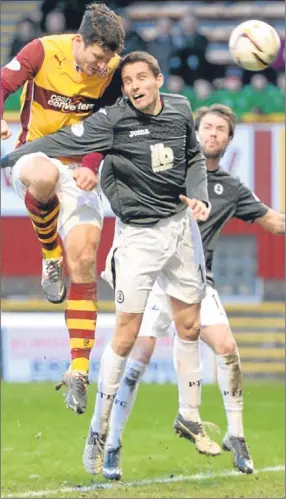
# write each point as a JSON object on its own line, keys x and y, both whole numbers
{"x": 85, "y": 178}
{"x": 5, "y": 130}
{"x": 199, "y": 210}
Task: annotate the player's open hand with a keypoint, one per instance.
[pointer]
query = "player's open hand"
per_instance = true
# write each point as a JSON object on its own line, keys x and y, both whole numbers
{"x": 5, "y": 130}
{"x": 199, "y": 210}
{"x": 85, "y": 178}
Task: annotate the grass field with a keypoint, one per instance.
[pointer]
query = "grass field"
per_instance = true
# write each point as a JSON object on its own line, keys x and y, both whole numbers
{"x": 42, "y": 444}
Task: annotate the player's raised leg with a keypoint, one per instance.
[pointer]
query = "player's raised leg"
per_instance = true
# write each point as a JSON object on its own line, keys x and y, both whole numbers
{"x": 218, "y": 335}
{"x": 35, "y": 178}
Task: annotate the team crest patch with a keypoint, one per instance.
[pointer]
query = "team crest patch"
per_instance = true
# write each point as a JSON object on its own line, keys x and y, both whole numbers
{"x": 14, "y": 65}
{"x": 218, "y": 188}
{"x": 120, "y": 296}
{"x": 77, "y": 129}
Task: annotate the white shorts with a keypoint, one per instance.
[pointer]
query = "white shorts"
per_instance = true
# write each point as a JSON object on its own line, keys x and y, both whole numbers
{"x": 157, "y": 317}
{"x": 212, "y": 310}
{"x": 170, "y": 250}
{"x": 76, "y": 206}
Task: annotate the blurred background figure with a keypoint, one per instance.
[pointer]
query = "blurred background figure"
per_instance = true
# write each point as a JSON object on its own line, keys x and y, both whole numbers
{"x": 189, "y": 55}
{"x": 162, "y": 45}
{"x": 55, "y": 23}
{"x": 133, "y": 39}
{"x": 25, "y": 31}
{"x": 72, "y": 11}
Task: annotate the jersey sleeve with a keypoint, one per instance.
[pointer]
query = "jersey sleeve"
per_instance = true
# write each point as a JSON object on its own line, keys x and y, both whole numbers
{"x": 22, "y": 68}
{"x": 197, "y": 182}
{"x": 93, "y": 134}
{"x": 248, "y": 206}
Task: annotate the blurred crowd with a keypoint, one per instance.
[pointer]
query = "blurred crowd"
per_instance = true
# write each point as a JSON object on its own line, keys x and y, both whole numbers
{"x": 181, "y": 50}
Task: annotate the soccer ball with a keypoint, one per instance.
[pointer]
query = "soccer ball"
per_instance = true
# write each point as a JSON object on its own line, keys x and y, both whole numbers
{"x": 254, "y": 45}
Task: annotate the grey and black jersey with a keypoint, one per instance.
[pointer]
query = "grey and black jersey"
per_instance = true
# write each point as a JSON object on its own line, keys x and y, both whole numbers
{"x": 147, "y": 157}
{"x": 229, "y": 198}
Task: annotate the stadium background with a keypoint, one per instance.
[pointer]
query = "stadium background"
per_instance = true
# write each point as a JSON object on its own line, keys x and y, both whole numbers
{"x": 190, "y": 41}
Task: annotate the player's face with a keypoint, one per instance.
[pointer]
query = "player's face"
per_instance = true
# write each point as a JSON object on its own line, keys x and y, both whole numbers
{"x": 141, "y": 86}
{"x": 213, "y": 135}
{"x": 92, "y": 59}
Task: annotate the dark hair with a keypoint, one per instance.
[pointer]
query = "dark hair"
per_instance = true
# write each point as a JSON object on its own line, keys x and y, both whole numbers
{"x": 102, "y": 26}
{"x": 219, "y": 109}
{"x": 133, "y": 57}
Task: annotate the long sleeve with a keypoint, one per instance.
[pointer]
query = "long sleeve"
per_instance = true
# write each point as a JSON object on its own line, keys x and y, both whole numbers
{"x": 22, "y": 68}
{"x": 93, "y": 134}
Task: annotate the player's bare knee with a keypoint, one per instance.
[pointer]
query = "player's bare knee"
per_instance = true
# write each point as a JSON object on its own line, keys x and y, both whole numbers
{"x": 40, "y": 176}
{"x": 82, "y": 267}
{"x": 226, "y": 347}
{"x": 189, "y": 332}
{"x": 188, "y": 326}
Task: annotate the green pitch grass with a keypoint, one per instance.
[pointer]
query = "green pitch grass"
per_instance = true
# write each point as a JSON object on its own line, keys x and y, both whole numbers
{"x": 42, "y": 444}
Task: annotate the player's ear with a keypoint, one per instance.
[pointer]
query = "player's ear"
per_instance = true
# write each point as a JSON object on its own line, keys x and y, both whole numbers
{"x": 160, "y": 80}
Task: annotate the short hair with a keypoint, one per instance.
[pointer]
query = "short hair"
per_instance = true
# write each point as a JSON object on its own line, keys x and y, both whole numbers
{"x": 102, "y": 26}
{"x": 138, "y": 56}
{"x": 224, "y": 112}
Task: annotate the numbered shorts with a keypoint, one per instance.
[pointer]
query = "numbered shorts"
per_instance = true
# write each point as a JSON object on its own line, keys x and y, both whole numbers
{"x": 171, "y": 250}
{"x": 76, "y": 206}
{"x": 212, "y": 310}
{"x": 157, "y": 317}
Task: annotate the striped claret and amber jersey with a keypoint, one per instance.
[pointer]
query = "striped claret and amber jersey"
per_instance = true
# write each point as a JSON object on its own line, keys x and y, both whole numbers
{"x": 55, "y": 94}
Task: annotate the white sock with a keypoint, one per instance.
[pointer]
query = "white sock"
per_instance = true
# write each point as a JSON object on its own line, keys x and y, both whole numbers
{"x": 188, "y": 368}
{"x": 111, "y": 370}
{"x": 124, "y": 400}
{"x": 229, "y": 379}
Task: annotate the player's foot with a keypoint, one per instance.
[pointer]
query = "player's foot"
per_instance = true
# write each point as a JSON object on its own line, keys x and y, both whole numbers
{"x": 195, "y": 432}
{"x": 93, "y": 452}
{"x": 241, "y": 457}
{"x": 111, "y": 463}
{"x": 76, "y": 396}
{"x": 53, "y": 279}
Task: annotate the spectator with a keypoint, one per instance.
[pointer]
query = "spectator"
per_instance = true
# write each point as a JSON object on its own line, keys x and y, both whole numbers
{"x": 133, "y": 40}
{"x": 231, "y": 94}
{"x": 72, "y": 10}
{"x": 203, "y": 94}
{"x": 162, "y": 45}
{"x": 189, "y": 56}
{"x": 175, "y": 85}
{"x": 281, "y": 82}
{"x": 55, "y": 23}
{"x": 25, "y": 31}
{"x": 262, "y": 97}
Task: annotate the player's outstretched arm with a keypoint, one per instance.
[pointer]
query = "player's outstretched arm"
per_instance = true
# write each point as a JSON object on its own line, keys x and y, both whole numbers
{"x": 250, "y": 209}
{"x": 22, "y": 68}
{"x": 273, "y": 221}
{"x": 93, "y": 134}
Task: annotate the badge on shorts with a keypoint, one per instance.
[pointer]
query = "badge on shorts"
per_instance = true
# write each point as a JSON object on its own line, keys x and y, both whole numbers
{"x": 120, "y": 296}
{"x": 218, "y": 188}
